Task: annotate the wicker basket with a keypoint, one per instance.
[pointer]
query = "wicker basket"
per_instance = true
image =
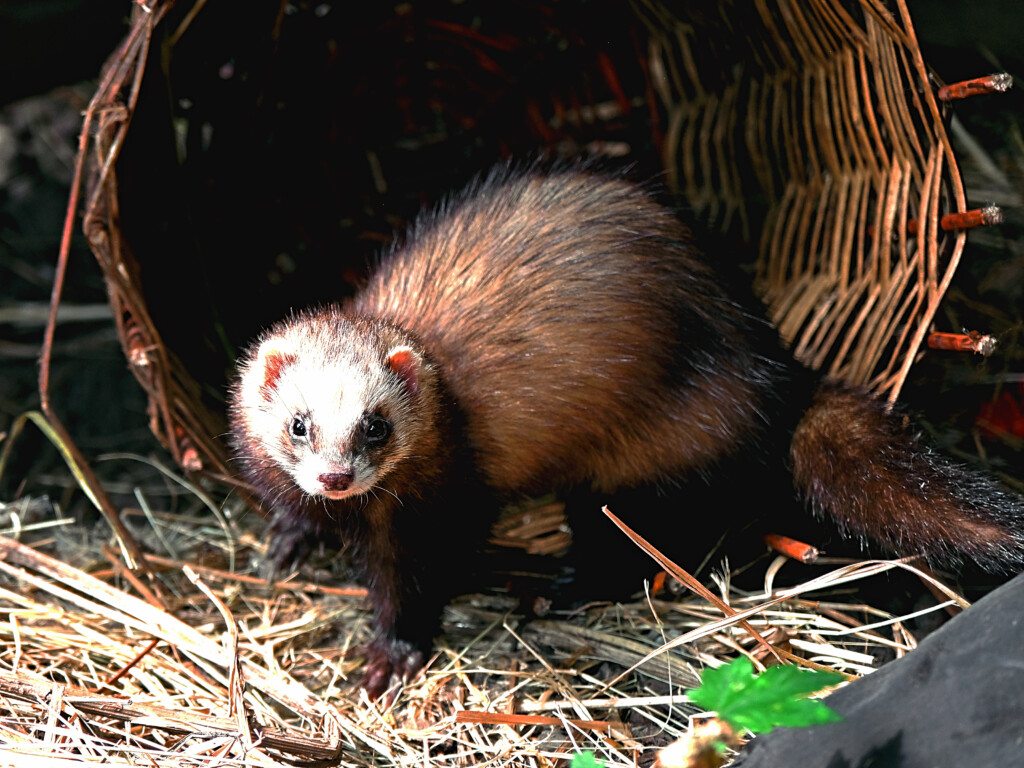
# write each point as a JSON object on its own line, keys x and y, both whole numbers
{"x": 811, "y": 129}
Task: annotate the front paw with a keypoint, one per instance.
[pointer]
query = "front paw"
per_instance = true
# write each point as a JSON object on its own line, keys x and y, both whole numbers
{"x": 287, "y": 548}
{"x": 389, "y": 663}
{"x": 291, "y": 538}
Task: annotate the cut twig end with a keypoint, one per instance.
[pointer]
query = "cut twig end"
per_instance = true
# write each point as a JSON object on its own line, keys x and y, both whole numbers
{"x": 1000, "y": 82}
{"x": 976, "y": 342}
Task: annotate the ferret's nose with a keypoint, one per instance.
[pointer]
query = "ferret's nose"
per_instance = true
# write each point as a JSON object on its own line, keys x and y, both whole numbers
{"x": 335, "y": 481}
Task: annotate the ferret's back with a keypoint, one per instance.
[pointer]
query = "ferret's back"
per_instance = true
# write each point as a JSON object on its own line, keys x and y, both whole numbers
{"x": 579, "y": 332}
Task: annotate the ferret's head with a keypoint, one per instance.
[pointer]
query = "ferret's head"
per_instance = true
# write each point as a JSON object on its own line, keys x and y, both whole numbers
{"x": 337, "y": 403}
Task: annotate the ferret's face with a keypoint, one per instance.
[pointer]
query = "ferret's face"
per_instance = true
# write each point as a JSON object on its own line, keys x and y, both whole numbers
{"x": 332, "y": 443}
{"x": 330, "y": 416}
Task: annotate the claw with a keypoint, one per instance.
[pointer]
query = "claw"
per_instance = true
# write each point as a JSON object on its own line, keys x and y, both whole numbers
{"x": 390, "y": 663}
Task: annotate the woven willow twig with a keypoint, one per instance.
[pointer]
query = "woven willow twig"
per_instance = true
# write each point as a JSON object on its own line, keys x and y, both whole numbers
{"x": 177, "y": 416}
{"x": 834, "y": 115}
{"x": 104, "y": 107}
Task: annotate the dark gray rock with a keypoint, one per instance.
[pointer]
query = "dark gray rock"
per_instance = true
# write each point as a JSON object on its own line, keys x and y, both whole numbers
{"x": 958, "y": 700}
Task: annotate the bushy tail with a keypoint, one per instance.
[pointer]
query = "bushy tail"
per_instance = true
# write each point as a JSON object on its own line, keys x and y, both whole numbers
{"x": 859, "y": 463}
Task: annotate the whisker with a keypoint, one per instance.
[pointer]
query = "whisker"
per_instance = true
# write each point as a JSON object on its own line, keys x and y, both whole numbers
{"x": 388, "y": 490}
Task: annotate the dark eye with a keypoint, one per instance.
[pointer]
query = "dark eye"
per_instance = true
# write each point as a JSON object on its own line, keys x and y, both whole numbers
{"x": 298, "y": 427}
{"x": 377, "y": 430}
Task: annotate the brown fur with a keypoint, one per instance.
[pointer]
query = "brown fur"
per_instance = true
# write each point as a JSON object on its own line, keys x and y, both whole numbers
{"x": 553, "y": 306}
{"x": 857, "y": 462}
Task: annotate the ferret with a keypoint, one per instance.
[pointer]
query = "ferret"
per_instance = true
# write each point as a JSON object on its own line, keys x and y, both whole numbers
{"x": 559, "y": 329}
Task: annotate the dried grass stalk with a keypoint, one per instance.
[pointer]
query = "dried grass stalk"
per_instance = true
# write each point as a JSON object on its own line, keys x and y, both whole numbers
{"x": 254, "y": 675}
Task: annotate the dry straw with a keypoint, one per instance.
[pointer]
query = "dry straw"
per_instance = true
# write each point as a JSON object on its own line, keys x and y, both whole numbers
{"x": 232, "y": 671}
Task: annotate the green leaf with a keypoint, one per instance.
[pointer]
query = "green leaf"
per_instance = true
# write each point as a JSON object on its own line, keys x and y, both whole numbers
{"x": 585, "y": 760}
{"x": 759, "y": 703}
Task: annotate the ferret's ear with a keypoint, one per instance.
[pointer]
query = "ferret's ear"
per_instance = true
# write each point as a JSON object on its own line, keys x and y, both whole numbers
{"x": 406, "y": 363}
{"x": 272, "y": 359}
